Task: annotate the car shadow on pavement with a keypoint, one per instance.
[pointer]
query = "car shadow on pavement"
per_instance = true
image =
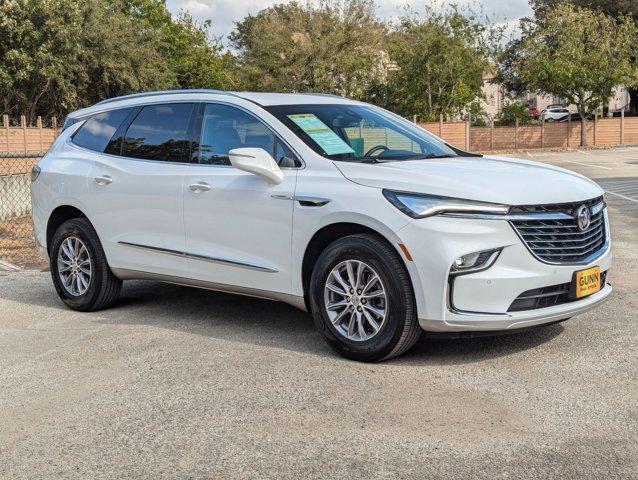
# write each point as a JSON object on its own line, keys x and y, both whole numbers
{"x": 266, "y": 323}
{"x": 454, "y": 351}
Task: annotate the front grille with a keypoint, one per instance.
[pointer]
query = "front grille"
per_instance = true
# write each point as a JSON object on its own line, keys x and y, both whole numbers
{"x": 546, "y": 296}
{"x": 555, "y": 237}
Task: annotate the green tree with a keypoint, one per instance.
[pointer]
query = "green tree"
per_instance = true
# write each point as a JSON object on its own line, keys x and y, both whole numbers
{"x": 512, "y": 111}
{"x": 576, "y": 54}
{"x": 440, "y": 58}
{"x": 59, "y": 55}
{"x": 118, "y": 57}
{"x": 331, "y": 46}
{"x": 39, "y": 42}
{"x": 614, "y": 8}
{"x": 196, "y": 59}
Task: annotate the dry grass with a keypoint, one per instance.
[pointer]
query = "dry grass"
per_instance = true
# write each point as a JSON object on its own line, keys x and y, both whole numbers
{"x": 17, "y": 244}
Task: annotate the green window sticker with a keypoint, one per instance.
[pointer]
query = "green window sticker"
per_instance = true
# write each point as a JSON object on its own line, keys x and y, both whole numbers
{"x": 328, "y": 140}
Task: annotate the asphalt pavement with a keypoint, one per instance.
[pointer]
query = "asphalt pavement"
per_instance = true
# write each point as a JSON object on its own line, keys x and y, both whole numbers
{"x": 176, "y": 382}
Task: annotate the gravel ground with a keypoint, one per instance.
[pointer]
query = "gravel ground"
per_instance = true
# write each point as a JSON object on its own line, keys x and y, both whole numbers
{"x": 182, "y": 383}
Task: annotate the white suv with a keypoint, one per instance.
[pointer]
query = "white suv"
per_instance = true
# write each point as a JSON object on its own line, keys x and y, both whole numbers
{"x": 377, "y": 227}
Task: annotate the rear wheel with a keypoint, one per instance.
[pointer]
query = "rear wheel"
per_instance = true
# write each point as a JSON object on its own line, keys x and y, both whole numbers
{"x": 362, "y": 301}
{"x": 81, "y": 275}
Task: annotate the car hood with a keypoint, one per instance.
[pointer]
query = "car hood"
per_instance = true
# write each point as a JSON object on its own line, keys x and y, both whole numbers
{"x": 488, "y": 179}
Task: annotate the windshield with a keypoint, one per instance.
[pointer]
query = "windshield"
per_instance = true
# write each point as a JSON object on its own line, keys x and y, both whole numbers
{"x": 359, "y": 133}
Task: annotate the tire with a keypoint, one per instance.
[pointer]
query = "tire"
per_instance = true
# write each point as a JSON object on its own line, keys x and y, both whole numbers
{"x": 102, "y": 288}
{"x": 398, "y": 330}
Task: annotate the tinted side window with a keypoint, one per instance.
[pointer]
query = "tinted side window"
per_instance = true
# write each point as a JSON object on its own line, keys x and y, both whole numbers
{"x": 159, "y": 132}
{"x": 98, "y": 130}
{"x": 225, "y": 128}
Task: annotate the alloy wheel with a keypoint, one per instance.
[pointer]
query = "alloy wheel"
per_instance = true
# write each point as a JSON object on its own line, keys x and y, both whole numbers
{"x": 355, "y": 300}
{"x": 74, "y": 266}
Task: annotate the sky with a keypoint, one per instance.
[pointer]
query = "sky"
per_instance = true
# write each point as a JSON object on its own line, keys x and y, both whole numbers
{"x": 223, "y": 13}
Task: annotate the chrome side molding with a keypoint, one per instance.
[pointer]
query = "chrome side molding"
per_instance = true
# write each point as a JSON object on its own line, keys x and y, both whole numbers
{"x": 195, "y": 256}
{"x": 303, "y": 200}
{"x": 294, "y": 300}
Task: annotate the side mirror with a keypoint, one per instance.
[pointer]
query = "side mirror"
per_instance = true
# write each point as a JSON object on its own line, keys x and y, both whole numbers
{"x": 257, "y": 161}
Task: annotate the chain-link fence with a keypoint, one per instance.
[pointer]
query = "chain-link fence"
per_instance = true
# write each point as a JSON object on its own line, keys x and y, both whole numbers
{"x": 17, "y": 243}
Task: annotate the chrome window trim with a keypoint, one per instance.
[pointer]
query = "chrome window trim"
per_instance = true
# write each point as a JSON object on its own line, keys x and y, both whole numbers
{"x": 196, "y": 256}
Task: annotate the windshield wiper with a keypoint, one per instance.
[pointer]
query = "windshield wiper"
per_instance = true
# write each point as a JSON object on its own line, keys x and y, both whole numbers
{"x": 426, "y": 156}
{"x": 364, "y": 160}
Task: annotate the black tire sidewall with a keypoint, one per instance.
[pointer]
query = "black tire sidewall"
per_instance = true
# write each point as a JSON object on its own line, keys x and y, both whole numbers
{"x": 81, "y": 229}
{"x": 399, "y": 296}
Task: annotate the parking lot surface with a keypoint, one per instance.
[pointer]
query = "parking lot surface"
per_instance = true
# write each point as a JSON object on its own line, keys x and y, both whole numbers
{"x": 181, "y": 383}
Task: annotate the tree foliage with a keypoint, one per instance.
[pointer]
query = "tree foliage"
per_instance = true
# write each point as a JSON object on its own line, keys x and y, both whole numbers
{"x": 614, "y": 8}
{"x": 440, "y": 58}
{"x": 329, "y": 46}
{"x": 576, "y": 54}
{"x": 512, "y": 111}
{"x": 59, "y": 55}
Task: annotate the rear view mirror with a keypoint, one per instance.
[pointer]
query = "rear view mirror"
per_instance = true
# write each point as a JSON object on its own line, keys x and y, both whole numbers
{"x": 257, "y": 161}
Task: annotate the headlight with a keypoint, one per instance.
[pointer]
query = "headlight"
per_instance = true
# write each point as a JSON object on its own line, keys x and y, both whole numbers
{"x": 419, "y": 205}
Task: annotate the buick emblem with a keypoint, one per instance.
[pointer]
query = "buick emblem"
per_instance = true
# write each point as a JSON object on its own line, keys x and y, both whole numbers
{"x": 583, "y": 217}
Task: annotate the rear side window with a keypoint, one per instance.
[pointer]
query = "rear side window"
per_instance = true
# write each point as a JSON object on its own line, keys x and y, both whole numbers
{"x": 98, "y": 130}
{"x": 159, "y": 132}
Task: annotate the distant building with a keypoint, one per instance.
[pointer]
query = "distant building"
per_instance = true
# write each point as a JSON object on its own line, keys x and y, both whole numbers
{"x": 496, "y": 97}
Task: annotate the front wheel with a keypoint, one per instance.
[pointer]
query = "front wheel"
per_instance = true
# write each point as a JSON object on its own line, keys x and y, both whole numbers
{"x": 81, "y": 275}
{"x": 362, "y": 300}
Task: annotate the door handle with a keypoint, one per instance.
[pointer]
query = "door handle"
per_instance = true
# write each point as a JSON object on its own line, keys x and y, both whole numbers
{"x": 103, "y": 180}
{"x": 199, "y": 187}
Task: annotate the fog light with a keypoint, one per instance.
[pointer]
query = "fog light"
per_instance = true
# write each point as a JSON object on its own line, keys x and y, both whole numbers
{"x": 466, "y": 261}
{"x": 474, "y": 262}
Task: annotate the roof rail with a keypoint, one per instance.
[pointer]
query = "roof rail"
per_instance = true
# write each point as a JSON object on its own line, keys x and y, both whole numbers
{"x": 165, "y": 92}
{"x": 323, "y": 95}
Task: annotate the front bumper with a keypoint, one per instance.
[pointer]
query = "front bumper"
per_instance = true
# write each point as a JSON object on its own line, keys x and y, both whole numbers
{"x": 480, "y": 301}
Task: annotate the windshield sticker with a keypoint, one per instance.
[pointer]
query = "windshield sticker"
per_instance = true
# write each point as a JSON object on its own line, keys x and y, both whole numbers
{"x": 331, "y": 143}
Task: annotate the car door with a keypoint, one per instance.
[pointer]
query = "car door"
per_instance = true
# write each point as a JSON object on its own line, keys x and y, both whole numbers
{"x": 135, "y": 190}
{"x": 238, "y": 226}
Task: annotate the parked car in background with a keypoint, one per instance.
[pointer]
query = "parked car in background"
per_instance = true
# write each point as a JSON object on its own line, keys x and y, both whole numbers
{"x": 554, "y": 114}
{"x": 377, "y": 227}
{"x": 575, "y": 117}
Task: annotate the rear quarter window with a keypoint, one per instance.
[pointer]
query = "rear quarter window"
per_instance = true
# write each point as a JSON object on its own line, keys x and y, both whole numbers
{"x": 98, "y": 130}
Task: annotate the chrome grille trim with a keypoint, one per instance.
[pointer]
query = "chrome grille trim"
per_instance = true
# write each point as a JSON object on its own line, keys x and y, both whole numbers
{"x": 559, "y": 240}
